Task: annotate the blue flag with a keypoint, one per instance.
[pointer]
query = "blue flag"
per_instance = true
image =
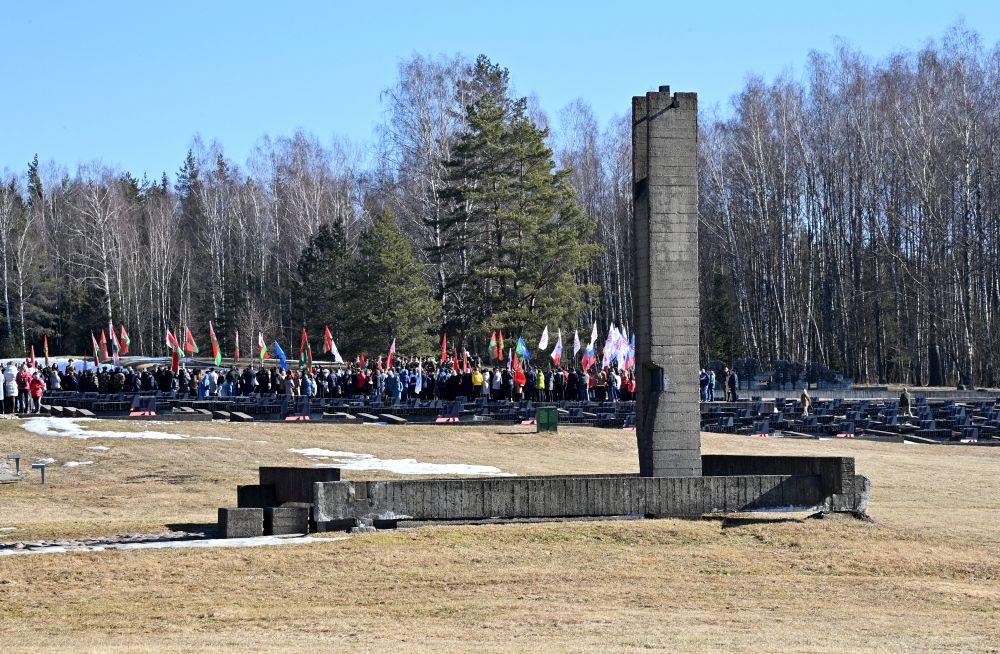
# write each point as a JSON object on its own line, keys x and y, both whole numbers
{"x": 522, "y": 349}
{"x": 278, "y": 352}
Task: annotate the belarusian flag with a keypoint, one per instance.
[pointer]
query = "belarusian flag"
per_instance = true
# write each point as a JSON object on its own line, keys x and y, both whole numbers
{"x": 327, "y": 340}
{"x": 392, "y": 350}
{"x": 493, "y": 345}
{"x": 216, "y": 351}
{"x": 304, "y": 350}
{"x": 45, "y": 349}
{"x": 263, "y": 347}
{"x": 236, "y": 350}
{"x": 97, "y": 353}
{"x": 189, "y": 345}
{"x": 126, "y": 341}
{"x": 104, "y": 345}
{"x": 444, "y": 348}
{"x": 309, "y": 357}
{"x": 173, "y": 343}
{"x": 114, "y": 344}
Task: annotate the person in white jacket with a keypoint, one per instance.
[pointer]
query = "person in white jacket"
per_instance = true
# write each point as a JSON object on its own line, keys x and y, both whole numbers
{"x": 9, "y": 387}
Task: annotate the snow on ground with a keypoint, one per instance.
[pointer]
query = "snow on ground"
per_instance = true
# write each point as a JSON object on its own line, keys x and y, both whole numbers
{"x": 47, "y": 461}
{"x": 76, "y": 428}
{"x": 99, "y": 448}
{"x": 258, "y": 541}
{"x": 74, "y": 464}
{"x": 355, "y": 461}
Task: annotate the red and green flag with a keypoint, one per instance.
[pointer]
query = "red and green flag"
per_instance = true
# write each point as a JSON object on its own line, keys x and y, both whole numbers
{"x": 216, "y": 351}
{"x": 173, "y": 343}
{"x": 494, "y": 350}
{"x": 305, "y": 352}
{"x": 189, "y": 345}
{"x": 115, "y": 347}
{"x": 263, "y": 347}
{"x": 126, "y": 342}
{"x": 97, "y": 351}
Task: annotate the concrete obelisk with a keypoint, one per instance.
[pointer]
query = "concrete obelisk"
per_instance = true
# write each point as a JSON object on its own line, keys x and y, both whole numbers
{"x": 665, "y": 282}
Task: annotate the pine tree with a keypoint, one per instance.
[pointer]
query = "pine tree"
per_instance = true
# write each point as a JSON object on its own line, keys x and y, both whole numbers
{"x": 516, "y": 221}
{"x": 389, "y": 296}
{"x": 324, "y": 283}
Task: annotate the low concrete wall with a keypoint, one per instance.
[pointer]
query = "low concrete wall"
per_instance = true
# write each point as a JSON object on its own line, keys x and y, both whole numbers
{"x": 362, "y": 502}
{"x": 295, "y": 484}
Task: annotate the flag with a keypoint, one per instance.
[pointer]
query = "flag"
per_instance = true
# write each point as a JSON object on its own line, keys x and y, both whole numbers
{"x": 420, "y": 379}
{"x": 509, "y": 358}
{"x": 630, "y": 359}
{"x": 543, "y": 342}
{"x": 236, "y": 350}
{"x": 392, "y": 350}
{"x": 515, "y": 364}
{"x": 522, "y": 350}
{"x": 494, "y": 352}
{"x": 588, "y": 358}
{"x": 115, "y": 347}
{"x": 31, "y": 356}
{"x": 361, "y": 359}
{"x": 45, "y": 349}
{"x": 327, "y": 341}
{"x": 97, "y": 354}
{"x": 576, "y": 342}
{"x": 557, "y": 350}
{"x": 303, "y": 350}
{"x": 216, "y": 351}
{"x": 189, "y": 345}
{"x": 173, "y": 343}
{"x": 593, "y": 335}
{"x": 306, "y": 358}
{"x": 465, "y": 360}
{"x": 454, "y": 362}
{"x": 263, "y": 353}
{"x": 336, "y": 353}
{"x": 500, "y": 343}
{"x": 278, "y": 352}
{"x": 444, "y": 348}
{"x": 126, "y": 341}
{"x": 175, "y": 361}
{"x": 378, "y": 364}
{"x": 104, "y": 346}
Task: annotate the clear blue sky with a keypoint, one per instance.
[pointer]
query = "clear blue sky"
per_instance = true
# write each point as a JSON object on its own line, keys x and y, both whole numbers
{"x": 130, "y": 83}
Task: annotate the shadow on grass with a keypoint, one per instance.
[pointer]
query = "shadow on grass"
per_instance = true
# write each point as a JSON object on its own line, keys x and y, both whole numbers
{"x": 209, "y": 529}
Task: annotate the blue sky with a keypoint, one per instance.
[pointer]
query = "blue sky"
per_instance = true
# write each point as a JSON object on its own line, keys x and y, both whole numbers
{"x": 130, "y": 83}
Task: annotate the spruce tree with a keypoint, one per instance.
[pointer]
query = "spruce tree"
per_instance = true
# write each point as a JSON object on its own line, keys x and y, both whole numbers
{"x": 389, "y": 296}
{"x": 516, "y": 223}
{"x": 324, "y": 284}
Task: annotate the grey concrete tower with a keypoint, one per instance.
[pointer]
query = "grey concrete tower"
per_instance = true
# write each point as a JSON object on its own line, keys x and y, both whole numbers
{"x": 665, "y": 282}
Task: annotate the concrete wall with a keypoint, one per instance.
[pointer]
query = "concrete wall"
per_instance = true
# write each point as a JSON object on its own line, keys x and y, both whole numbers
{"x": 295, "y": 484}
{"x": 665, "y": 282}
{"x": 337, "y": 503}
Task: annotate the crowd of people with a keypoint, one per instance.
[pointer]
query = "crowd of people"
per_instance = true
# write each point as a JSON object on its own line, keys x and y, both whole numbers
{"x": 404, "y": 380}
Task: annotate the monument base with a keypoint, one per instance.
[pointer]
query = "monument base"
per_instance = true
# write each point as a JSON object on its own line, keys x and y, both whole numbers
{"x": 731, "y": 484}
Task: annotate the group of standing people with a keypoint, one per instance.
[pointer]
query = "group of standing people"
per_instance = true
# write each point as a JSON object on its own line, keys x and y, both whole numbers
{"x": 21, "y": 389}
{"x": 707, "y": 382}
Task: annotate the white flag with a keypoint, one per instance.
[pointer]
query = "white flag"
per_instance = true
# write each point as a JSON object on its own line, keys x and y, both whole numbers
{"x": 420, "y": 378}
{"x": 593, "y": 335}
{"x": 335, "y": 352}
{"x": 576, "y": 342}
{"x": 544, "y": 341}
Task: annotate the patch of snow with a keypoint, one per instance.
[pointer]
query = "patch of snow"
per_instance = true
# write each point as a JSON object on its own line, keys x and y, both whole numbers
{"x": 75, "y": 428}
{"x": 258, "y": 541}
{"x": 355, "y": 461}
{"x": 8, "y": 528}
{"x": 99, "y": 448}
{"x": 74, "y": 464}
{"x": 210, "y": 438}
{"x": 47, "y": 461}
{"x": 786, "y": 509}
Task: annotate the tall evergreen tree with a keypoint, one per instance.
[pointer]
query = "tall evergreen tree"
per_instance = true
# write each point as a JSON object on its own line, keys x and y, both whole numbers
{"x": 390, "y": 297}
{"x": 324, "y": 283}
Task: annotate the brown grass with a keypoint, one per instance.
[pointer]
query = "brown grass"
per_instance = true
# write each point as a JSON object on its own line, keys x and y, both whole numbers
{"x": 923, "y": 577}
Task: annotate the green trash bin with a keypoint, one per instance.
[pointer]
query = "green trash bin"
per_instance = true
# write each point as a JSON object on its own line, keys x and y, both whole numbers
{"x": 546, "y": 419}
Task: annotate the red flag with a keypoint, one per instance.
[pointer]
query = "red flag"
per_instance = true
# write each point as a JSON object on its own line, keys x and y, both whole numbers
{"x": 327, "y": 341}
{"x": 465, "y": 361}
{"x": 378, "y": 364}
{"x": 494, "y": 351}
{"x": 172, "y": 342}
{"x": 444, "y": 348}
{"x": 454, "y": 363}
{"x": 392, "y": 350}
{"x": 189, "y": 345}
{"x": 361, "y": 359}
{"x": 302, "y": 343}
{"x": 500, "y": 345}
{"x": 175, "y": 361}
{"x": 45, "y": 348}
{"x": 31, "y": 358}
{"x": 104, "y": 346}
{"x": 125, "y": 341}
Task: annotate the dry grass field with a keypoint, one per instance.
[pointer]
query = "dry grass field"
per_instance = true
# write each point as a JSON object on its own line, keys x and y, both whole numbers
{"x": 923, "y": 576}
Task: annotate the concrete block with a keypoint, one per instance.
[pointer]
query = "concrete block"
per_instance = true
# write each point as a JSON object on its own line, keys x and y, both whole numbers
{"x": 255, "y": 496}
{"x": 241, "y": 522}
{"x": 295, "y": 484}
{"x": 282, "y": 520}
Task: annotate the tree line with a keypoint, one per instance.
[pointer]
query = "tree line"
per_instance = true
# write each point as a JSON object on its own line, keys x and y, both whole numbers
{"x": 849, "y": 218}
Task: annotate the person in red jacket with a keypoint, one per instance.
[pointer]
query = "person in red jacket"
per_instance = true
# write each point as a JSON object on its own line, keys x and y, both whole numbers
{"x": 23, "y": 390}
{"x": 37, "y": 388}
